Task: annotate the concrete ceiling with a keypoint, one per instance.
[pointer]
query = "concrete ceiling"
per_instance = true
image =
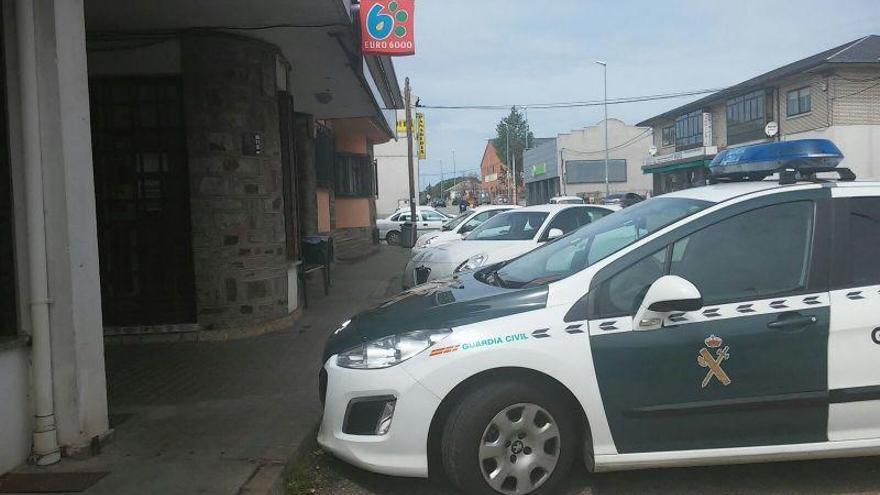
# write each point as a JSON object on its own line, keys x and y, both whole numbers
{"x": 320, "y": 42}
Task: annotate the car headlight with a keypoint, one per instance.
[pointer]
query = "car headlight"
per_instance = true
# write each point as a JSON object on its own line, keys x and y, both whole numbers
{"x": 390, "y": 351}
{"x": 425, "y": 242}
{"x": 472, "y": 263}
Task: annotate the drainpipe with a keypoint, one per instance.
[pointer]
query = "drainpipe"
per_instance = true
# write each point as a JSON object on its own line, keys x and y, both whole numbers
{"x": 45, "y": 440}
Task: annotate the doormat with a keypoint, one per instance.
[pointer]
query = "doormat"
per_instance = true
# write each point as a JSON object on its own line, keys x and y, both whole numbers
{"x": 48, "y": 482}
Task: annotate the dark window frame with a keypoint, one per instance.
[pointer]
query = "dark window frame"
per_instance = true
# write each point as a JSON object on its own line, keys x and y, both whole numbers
{"x": 689, "y": 130}
{"x": 667, "y": 140}
{"x": 9, "y": 322}
{"x": 747, "y": 114}
{"x": 354, "y": 175}
{"x": 799, "y": 100}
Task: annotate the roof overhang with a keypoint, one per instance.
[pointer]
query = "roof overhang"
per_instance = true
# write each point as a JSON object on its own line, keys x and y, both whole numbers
{"x": 331, "y": 79}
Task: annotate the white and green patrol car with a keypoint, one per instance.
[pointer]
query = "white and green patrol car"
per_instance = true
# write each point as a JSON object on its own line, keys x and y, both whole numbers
{"x": 737, "y": 322}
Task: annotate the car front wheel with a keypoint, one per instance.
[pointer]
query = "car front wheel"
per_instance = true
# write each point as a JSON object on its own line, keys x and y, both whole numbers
{"x": 510, "y": 438}
{"x": 393, "y": 238}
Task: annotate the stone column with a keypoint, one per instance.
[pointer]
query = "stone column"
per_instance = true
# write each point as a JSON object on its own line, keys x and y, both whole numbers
{"x": 306, "y": 175}
{"x": 233, "y": 141}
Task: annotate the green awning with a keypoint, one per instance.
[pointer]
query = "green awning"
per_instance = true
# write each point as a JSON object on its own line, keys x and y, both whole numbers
{"x": 702, "y": 162}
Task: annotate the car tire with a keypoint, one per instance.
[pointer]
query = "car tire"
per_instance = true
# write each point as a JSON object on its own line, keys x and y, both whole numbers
{"x": 482, "y": 429}
{"x": 393, "y": 238}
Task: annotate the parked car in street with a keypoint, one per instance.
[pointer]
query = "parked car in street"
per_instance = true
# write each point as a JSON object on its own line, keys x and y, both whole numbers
{"x": 623, "y": 199}
{"x": 459, "y": 226}
{"x": 730, "y": 323}
{"x": 566, "y": 200}
{"x": 501, "y": 238}
{"x": 428, "y": 219}
{"x": 439, "y": 203}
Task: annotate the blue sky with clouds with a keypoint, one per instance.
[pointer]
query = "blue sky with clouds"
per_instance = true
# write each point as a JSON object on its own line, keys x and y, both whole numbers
{"x": 518, "y": 51}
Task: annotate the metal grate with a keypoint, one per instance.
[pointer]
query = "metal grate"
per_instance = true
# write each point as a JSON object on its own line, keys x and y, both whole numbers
{"x": 143, "y": 202}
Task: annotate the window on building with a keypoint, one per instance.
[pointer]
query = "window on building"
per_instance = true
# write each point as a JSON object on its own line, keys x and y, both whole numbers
{"x": 593, "y": 171}
{"x": 325, "y": 151}
{"x": 689, "y": 130}
{"x": 746, "y": 117}
{"x": 354, "y": 175}
{"x": 8, "y": 313}
{"x": 667, "y": 136}
{"x": 732, "y": 260}
{"x": 798, "y": 101}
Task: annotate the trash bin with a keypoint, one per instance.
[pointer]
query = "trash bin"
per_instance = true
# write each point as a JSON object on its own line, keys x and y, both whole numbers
{"x": 408, "y": 232}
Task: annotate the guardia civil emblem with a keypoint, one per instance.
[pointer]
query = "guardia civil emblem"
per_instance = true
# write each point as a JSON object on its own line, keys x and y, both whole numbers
{"x": 713, "y": 362}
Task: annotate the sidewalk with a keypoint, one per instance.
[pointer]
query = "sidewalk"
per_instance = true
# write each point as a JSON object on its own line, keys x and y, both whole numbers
{"x": 226, "y": 417}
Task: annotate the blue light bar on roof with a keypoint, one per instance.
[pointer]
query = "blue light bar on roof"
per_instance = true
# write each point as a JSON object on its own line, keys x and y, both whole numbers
{"x": 765, "y": 159}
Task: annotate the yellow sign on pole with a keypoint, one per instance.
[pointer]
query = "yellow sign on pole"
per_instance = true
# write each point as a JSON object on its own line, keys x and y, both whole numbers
{"x": 401, "y": 127}
{"x": 423, "y": 145}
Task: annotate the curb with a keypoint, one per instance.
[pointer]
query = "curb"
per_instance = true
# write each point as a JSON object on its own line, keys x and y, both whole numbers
{"x": 270, "y": 477}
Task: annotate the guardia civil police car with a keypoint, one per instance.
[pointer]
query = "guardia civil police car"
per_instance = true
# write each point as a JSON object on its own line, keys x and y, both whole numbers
{"x": 737, "y": 322}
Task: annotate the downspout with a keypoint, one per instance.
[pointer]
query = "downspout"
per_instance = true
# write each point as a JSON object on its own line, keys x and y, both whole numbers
{"x": 45, "y": 440}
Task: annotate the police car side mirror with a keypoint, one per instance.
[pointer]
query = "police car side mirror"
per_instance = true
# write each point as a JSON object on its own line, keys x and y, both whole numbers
{"x": 669, "y": 294}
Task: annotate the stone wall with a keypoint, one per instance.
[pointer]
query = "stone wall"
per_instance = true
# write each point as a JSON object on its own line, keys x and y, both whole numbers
{"x": 237, "y": 191}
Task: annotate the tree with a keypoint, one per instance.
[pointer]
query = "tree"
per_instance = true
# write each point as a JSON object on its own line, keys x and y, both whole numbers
{"x": 520, "y": 138}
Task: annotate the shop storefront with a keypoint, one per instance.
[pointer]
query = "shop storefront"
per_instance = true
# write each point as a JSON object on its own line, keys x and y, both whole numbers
{"x": 680, "y": 170}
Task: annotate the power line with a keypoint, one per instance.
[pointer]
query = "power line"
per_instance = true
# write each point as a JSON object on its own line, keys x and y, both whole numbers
{"x": 575, "y": 104}
{"x": 617, "y": 147}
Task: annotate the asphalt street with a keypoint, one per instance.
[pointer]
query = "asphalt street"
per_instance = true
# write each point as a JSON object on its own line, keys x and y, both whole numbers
{"x": 838, "y": 476}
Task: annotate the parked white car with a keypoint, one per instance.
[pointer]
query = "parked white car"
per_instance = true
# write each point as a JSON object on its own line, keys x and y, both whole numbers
{"x": 566, "y": 200}
{"x": 428, "y": 219}
{"x": 500, "y": 238}
{"x": 461, "y": 225}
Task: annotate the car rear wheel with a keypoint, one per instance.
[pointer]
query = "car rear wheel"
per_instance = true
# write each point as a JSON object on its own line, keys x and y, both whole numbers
{"x": 509, "y": 438}
{"x": 393, "y": 238}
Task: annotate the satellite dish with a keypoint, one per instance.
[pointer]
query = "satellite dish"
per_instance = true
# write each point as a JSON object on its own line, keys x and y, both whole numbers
{"x": 652, "y": 150}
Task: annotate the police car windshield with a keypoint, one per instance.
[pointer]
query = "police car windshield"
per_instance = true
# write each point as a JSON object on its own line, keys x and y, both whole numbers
{"x": 593, "y": 242}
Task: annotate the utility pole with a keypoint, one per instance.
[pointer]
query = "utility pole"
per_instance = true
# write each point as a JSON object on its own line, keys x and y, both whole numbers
{"x": 605, "y": 100}
{"x": 442, "y": 186}
{"x": 562, "y": 171}
{"x": 507, "y": 129}
{"x": 515, "y": 191}
{"x": 409, "y": 157}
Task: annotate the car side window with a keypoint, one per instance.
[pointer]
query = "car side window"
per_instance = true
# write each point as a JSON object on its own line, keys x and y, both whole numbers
{"x": 590, "y": 215}
{"x": 403, "y": 218}
{"x": 623, "y": 293}
{"x": 476, "y": 221}
{"x": 432, "y": 216}
{"x": 758, "y": 254}
{"x": 395, "y": 218}
{"x": 566, "y": 221}
{"x": 862, "y": 245}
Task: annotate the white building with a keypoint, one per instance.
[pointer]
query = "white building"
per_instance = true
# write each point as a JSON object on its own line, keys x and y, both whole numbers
{"x": 393, "y": 169}
{"x": 574, "y": 163}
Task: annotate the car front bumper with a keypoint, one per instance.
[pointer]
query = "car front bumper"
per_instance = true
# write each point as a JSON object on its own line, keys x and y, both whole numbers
{"x": 417, "y": 272}
{"x": 403, "y": 451}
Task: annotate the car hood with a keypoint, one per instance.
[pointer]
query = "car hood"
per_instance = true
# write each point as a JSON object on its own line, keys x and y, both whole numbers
{"x": 443, "y": 303}
{"x": 457, "y": 251}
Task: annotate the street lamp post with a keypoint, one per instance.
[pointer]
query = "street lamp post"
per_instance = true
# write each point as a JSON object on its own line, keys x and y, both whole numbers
{"x": 605, "y": 101}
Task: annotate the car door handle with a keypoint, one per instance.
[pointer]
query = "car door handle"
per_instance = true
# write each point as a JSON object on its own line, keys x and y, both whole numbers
{"x": 788, "y": 321}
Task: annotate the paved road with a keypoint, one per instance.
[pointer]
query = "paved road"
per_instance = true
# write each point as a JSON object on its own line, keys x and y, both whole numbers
{"x": 839, "y": 476}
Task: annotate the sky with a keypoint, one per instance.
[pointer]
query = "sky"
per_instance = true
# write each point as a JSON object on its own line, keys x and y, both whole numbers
{"x": 505, "y": 52}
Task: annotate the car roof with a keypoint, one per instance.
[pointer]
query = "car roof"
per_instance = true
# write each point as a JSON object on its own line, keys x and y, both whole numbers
{"x": 547, "y": 208}
{"x": 494, "y": 207}
{"x": 718, "y": 193}
{"x": 567, "y": 197}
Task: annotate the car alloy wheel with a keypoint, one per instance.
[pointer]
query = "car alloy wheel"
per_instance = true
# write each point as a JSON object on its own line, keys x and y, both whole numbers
{"x": 393, "y": 238}
{"x": 519, "y": 449}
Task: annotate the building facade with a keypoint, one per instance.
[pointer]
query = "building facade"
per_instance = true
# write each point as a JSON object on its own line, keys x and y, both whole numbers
{"x": 579, "y": 162}
{"x": 541, "y": 172}
{"x": 493, "y": 173}
{"x": 834, "y": 95}
{"x": 392, "y": 165}
{"x": 157, "y": 178}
